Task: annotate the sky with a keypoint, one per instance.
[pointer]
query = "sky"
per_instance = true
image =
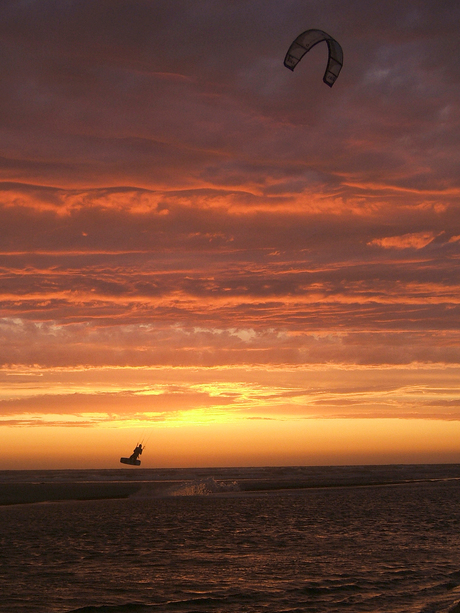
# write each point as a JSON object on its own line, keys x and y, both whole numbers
{"x": 224, "y": 258}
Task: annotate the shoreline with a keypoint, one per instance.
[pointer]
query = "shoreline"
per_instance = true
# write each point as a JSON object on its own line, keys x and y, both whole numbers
{"x": 39, "y": 492}
{"x": 29, "y": 493}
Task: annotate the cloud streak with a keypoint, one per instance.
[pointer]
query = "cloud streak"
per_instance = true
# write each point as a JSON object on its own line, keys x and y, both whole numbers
{"x": 172, "y": 198}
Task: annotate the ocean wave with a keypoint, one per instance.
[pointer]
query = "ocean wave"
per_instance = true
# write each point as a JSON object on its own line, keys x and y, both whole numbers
{"x": 123, "y": 608}
{"x": 203, "y": 487}
{"x": 198, "y": 487}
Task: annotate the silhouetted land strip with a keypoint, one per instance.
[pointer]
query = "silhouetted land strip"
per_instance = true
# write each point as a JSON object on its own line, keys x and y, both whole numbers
{"x": 23, "y": 493}
{"x": 22, "y": 487}
{"x": 254, "y": 486}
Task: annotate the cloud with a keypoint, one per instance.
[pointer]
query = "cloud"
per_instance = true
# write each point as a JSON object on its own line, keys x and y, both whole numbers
{"x": 163, "y": 397}
{"x": 126, "y": 93}
{"x": 99, "y": 344}
{"x": 171, "y": 196}
{"x": 416, "y": 240}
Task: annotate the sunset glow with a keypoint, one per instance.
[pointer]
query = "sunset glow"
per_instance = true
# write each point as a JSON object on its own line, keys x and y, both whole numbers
{"x": 230, "y": 260}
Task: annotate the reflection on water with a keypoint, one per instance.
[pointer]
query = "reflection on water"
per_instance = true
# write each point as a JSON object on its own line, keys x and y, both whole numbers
{"x": 376, "y": 549}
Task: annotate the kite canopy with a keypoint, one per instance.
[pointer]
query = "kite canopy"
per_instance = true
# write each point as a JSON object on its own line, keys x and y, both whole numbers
{"x": 305, "y": 41}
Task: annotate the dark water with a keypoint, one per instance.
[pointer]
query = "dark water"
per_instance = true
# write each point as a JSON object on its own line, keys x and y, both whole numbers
{"x": 376, "y": 549}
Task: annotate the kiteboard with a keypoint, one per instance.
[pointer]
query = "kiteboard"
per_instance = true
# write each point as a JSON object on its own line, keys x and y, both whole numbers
{"x": 130, "y": 462}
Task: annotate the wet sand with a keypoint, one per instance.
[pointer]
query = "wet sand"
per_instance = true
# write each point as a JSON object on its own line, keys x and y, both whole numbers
{"x": 24, "y": 493}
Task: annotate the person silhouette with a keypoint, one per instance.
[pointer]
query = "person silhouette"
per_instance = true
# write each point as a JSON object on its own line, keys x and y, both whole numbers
{"x": 137, "y": 452}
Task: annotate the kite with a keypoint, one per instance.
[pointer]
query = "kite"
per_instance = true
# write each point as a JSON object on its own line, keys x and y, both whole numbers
{"x": 305, "y": 41}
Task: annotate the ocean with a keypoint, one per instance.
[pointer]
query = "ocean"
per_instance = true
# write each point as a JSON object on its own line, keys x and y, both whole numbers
{"x": 288, "y": 540}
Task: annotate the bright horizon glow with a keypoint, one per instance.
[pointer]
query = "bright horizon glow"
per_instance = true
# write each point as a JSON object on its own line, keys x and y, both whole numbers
{"x": 314, "y": 442}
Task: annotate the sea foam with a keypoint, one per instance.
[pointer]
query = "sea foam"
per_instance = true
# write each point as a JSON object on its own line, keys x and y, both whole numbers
{"x": 197, "y": 487}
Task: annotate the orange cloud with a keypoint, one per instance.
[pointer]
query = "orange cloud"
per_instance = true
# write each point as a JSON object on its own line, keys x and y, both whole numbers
{"x": 191, "y": 232}
{"x": 416, "y": 240}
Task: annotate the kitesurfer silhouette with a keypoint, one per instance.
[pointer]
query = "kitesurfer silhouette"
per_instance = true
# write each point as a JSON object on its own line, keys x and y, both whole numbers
{"x": 136, "y": 453}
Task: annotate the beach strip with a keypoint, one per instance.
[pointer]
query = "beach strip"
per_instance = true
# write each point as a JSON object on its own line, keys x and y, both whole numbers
{"x": 26, "y": 493}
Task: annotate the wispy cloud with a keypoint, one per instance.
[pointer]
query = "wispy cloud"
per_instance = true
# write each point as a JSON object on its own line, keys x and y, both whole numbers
{"x": 172, "y": 198}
